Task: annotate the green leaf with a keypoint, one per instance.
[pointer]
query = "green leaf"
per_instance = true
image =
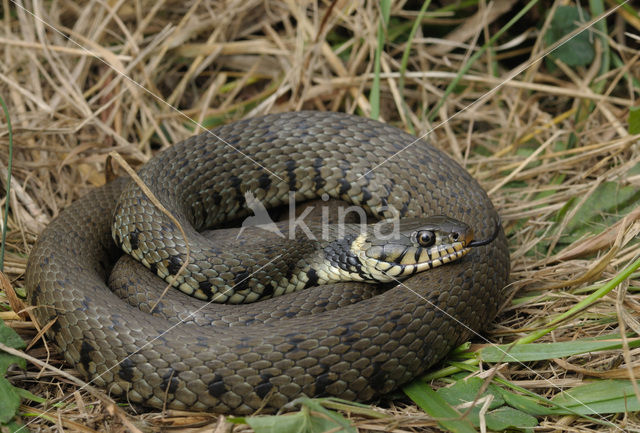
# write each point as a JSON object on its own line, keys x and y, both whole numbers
{"x": 599, "y": 397}
{"x": 498, "y": 416}
{"x": 577, "y": 51}
{"x": 349, "y": 406}
{"x": 296, "y": 422}
{"x": 525, "y": 403}
{"x": 433, "y": 404}
{"x": 634, "y": 120}
{"x": 316, "y": 406}
{"x": 467, "y": 390}
{"x": 28, "y": 395}
{"x": 10, "y": 338}
{"x": 9, "y": 401}
{"x": 312, "y": 418}
{"x": 7, "y": 360}
{"x": 455, "y": 400}
{"x": 461, "y": 350}
{"x": 540, "y": 351}
{"x": 507, "y": 417}
{"x": 9, "y": 396}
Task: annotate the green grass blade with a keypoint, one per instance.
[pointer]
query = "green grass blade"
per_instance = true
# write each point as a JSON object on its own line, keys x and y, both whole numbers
{"x": 437, "y": 407}
{"x": 542, "y": 351}
{"x": 600, "y": 397}
{"x": 374, "y": 96}
{"x": 405, "y": 56}
{"x": 634, "y": 120}
{"x": 586, "y": 302}
{"x": 9, "y": 169}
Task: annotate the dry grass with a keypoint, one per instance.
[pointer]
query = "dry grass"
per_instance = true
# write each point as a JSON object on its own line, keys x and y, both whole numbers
{"x": 149, "y": 67}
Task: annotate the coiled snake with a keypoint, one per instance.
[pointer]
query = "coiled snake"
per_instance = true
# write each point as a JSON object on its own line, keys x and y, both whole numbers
{"x": 314, "y": 342}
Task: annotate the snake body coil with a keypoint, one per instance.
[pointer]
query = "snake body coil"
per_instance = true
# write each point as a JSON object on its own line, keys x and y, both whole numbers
{"x": 267, "y": 354}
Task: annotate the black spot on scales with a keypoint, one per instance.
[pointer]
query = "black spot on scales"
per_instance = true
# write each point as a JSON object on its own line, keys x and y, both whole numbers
{"x": 268, "y": 291}
{"x": 169, "y": 381}
{"x": 322, "y": 382}
{"x": 241, "y": 281}
{"x": 344, "y": 187}
{"x": 133, "y": 238}
{"x": 235, "y": 182}
{"x": 35, "y": 295}
{"x": 291, "y": 174}
{"x": 366, "y": 196}
{"x": 312, "y": 275}
{"x": 216, "y": 198}
{"x": 264, "y": 181}
{"x": 265, "y": 386}
{"x": 85, "y": 354}
{"x": 174, "y": 265}
{"x": 56, "y": 327}
{"x": 378, "y": 378}
{"x": 318, "y": 180}
{"x": 126, "y": 370}
{"x": 205, "y": 287}
{"x": 153, "y": 268}
{"x": 216, "y": 387}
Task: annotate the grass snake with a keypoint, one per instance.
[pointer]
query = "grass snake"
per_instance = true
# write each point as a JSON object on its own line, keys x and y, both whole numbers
{"x": 350, "y": 340}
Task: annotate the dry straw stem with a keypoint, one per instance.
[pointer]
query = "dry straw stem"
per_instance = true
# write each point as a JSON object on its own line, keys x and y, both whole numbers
{"x": 543, "y": 140}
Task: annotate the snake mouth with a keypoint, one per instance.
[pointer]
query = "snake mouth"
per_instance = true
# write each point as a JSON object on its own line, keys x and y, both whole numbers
{"x": 414, "y": 260}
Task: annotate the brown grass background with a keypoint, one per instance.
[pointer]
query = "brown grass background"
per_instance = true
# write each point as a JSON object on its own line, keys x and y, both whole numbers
{"x": 143, "y": 69}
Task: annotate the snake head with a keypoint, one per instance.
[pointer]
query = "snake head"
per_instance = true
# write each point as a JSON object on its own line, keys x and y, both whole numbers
{"x": 402, "y": 248}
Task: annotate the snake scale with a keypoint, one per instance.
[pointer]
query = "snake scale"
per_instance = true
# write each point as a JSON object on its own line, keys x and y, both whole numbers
{"x": 267, "y": 354}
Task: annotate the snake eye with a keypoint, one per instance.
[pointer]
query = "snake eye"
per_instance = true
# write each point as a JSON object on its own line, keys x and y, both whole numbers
{"x": 455, "y": 236}
{"x": 426, "y": 238}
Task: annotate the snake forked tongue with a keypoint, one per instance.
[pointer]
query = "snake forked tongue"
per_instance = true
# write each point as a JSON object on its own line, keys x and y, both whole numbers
{"x": 490, "y": 239}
